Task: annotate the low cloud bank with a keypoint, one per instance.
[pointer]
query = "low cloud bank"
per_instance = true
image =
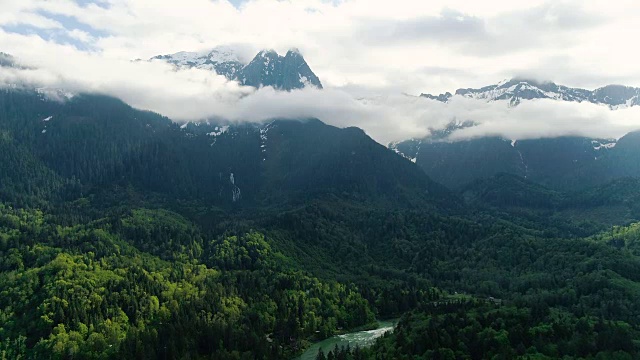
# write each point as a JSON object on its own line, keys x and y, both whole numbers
{"x": 198, "y": 94}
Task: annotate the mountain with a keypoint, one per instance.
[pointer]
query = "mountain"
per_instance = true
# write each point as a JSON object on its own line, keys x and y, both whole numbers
{"x": 516, "y": 90}
{"x": 561, "y": 163}
{"x": 286, "y": 73}
{"x": 267, "y": 68}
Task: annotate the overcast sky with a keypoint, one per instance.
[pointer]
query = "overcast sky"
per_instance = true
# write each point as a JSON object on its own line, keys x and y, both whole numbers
{"x": 358, "y": 48}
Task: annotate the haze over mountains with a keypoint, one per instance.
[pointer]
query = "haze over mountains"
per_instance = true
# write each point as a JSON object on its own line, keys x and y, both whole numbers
{"x": 558, "y": 161}
{"x": 186, "y": 87}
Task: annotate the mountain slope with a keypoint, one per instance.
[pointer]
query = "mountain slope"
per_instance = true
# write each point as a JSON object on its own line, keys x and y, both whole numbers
{"x": 310, "y": 156}
{"x": 506, "y": 190}
{"x": 101, "y": 141}
{"x": 561, "y": 163}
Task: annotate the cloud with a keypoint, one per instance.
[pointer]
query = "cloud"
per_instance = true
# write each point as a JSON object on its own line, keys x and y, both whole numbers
{"x": 542, "y": 118}
{"x": 80, "y": 35}
{"x": 448, "y": 26}
{"x": 28, "y": 20}
{"x": 548, "y": 26}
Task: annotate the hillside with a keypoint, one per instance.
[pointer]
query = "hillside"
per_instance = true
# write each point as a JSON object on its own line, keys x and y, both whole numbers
{"x": 95, "y": 141}
{"x": 563, "y": 163}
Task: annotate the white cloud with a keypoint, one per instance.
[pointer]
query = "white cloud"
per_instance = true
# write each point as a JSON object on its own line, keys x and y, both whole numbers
{"x": 377, "y": 42}
{"x": 80, "y": 35}
{"x": 28, "y": 19}
{"x": 543, "y": 118}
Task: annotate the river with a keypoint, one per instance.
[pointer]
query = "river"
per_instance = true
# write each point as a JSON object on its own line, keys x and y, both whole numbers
{"x": 358, "y": 338}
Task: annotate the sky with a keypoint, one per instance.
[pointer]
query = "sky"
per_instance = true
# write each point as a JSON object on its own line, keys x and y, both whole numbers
{"x": 367, "y": 53}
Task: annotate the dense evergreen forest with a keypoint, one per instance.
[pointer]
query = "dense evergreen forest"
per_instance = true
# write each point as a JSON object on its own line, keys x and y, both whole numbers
{"x": 126, "y": 236}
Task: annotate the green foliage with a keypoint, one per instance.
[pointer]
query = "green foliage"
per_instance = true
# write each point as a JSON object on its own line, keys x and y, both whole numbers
{"x": 621, "y": 237}
{"x": 483, "y": 330}
{"x": 506, "y": 259}
{"x": 97, "y": 291}
{"x": 505, "y": 190}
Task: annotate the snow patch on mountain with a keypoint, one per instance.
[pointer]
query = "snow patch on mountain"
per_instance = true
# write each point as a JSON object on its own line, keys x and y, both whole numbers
{"x": 394, "y": 147}
{"x": 264, "y": 131}
{"x": 628, "y": 103}
{"x": 412, "y": 159}
{"x": 304, "y": 80}
{"x": 598, "y": 145}
{"x": 524, "y": 165}
{"x": 46, "y": 121}
{"x": 218, "y": 130}
{"x": 55, "y": 94}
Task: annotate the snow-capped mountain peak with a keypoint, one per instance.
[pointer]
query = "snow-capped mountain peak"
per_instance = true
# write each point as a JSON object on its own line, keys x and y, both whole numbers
{"x": 267, "y": 68}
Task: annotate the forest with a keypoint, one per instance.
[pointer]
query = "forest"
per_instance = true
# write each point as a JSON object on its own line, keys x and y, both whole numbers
{"x": 122, "y": 237}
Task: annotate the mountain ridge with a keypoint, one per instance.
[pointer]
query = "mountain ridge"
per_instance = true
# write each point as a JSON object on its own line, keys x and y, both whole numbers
{"x": 516, "y": 90}
{"x": 93, "y": 140}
